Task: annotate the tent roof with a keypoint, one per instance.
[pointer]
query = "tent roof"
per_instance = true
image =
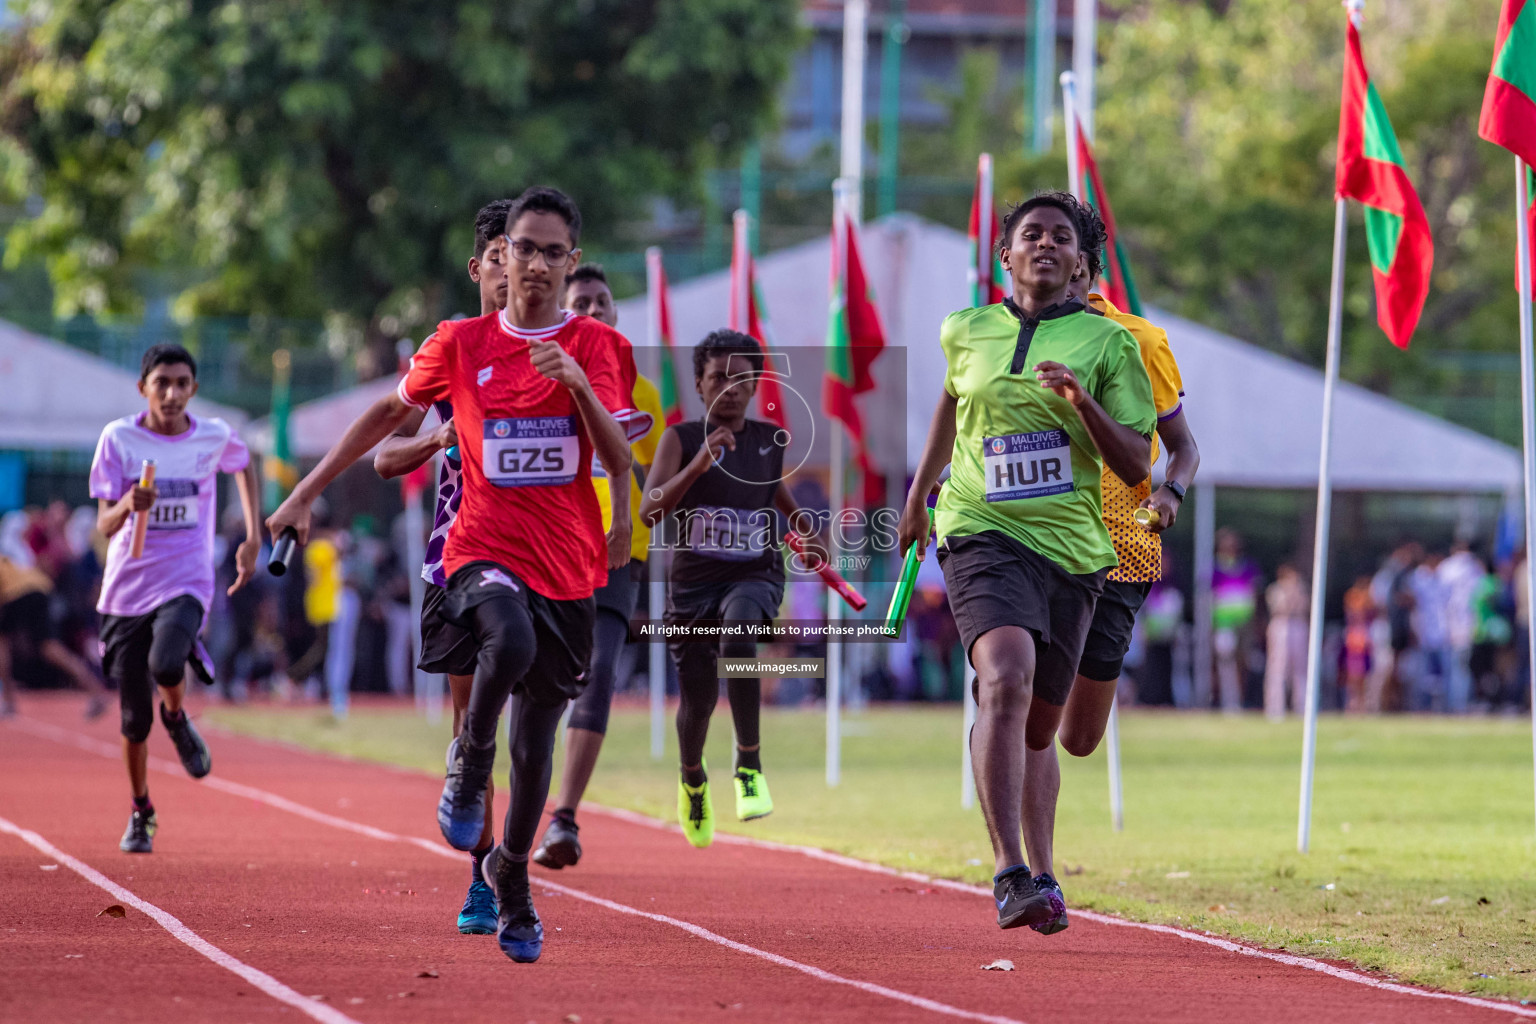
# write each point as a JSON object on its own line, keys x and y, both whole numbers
{"x": 59, "y": 398}
{"x": 1256, "y": 415}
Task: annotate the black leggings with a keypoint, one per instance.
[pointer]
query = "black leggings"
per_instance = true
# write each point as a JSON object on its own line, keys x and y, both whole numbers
{"x": 698, "y": 687}
{"x": 147, "y": 651}
{"x": 504, "y": 636}
{"x": 590, "y": 710}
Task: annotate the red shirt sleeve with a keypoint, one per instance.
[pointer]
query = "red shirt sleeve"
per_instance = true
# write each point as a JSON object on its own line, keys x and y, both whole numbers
{"x": 601, "y": 359}
{"x": 427, "y": 380}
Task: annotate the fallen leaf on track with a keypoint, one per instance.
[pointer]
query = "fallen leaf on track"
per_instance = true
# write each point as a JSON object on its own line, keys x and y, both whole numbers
{"x": 428, "y": 973}
{"x": 115, "y": 910}
{"x": 49, "y": 867}
{"x": 998, "y": 965}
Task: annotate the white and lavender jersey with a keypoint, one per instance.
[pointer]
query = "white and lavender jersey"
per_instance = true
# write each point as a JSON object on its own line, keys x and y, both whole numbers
{"x": 450, "y": 491}
{"x": 178, "y": 546}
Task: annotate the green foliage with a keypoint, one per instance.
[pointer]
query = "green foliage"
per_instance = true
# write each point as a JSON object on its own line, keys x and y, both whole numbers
{"x": 320, "y": 160}
{"x": 1216, "y": 131}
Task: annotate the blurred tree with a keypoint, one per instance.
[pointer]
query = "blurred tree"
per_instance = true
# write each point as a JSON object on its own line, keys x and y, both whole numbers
{"x": 312, "y": 159}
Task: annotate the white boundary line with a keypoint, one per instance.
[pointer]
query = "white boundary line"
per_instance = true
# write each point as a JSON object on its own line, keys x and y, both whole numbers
{"x": 281, "y": 803}
{"x": 258, "y": 979}
{"x": 1306, "y": 963}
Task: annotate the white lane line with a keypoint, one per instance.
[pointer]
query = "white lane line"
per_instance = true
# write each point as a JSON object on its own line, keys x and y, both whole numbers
{"x": 258, "y": 979}
{"x": 842, "y": 860}
{"x": 282, "y": 803}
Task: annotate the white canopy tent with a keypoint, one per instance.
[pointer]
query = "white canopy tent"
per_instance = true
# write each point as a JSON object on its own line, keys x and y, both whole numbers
{"x": 58, "y": 398}
{"x": 316, "y": 425}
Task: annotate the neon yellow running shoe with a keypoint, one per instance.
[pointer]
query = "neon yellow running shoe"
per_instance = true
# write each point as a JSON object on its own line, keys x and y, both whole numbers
{"x": 752, "y": 799}
{"x": 696, "y": 813}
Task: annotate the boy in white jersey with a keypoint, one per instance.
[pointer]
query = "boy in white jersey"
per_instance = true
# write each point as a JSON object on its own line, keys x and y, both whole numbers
{"x": 152, "y": 606}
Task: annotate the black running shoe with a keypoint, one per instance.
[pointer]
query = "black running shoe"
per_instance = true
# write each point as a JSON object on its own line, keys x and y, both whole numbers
{"x": 1018, "y": 901}
{"x": 561, "y": 847}
{"x": 189, "y": 745}
{"x": 461, "y": 808}
{"x": 1051, "y": 889}
{"x": 141, "y": 833}
{"x": 518, "y": 930}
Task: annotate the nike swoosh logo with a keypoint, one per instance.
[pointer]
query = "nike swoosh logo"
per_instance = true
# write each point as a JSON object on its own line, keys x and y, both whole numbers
{"x": 765, "y": 451}
{"x": 1002, "y": 903}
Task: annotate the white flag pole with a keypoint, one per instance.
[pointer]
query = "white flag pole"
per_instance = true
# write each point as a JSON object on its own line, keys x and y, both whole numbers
{"x": 1077, "y": 121}
{"x": 1523, "y": 260}
{"x": 1085, "y": 30}
{"x": 657, "y": 667}
{"x": 1320, "y": 546}
{"x": 741, "y": 290}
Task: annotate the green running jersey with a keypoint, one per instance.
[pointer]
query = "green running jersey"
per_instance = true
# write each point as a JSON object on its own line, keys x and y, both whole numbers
{"x": 1023, "y": 461}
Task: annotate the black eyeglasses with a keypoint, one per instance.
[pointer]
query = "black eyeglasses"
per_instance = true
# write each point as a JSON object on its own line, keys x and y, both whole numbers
{"x": 524, "y": 251}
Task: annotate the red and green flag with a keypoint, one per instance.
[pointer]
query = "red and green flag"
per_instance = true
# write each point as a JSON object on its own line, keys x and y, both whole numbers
{"x": 1118, "y": 284}
{"x": 279, "y": 467}
{"x": 1371, "y": 170}
{"x": 984, "y": 273}
{"x": 661, "y": 331}
{"x": 1509, "y": 102}
{"x": 855, "y": 338}
{"x": 749, "y": 315}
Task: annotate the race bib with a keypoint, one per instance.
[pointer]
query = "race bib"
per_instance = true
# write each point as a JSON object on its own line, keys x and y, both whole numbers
{"x": 532, "y": 451}
{"x": 1027, "y": 465}
{"x": 733, "y": 534}
{"x": 176, "y": 507}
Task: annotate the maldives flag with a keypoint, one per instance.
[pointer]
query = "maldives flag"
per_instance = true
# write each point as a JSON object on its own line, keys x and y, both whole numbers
{"x": 1509, "y": 102}
{"x": 749, "y": 315}
{"x": 855, "y": 338}
{"x": 984, "y": 273}
{"x": 661, "y": 332}
{"x": 1371, "y": 170}
{"x": 1119, "y": 285}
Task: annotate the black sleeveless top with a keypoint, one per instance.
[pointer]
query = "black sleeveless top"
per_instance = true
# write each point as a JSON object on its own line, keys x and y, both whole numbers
{"x": 728, "y": 528}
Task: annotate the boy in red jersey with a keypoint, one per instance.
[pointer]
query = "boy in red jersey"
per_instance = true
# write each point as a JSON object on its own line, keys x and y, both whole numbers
{"x": 535, "y": 391}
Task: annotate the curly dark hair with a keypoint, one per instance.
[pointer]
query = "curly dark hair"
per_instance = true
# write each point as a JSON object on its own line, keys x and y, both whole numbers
{"x": 490, "y": 222}
{"x": 1089, "y": 225}
{"x": 726, "y": 343}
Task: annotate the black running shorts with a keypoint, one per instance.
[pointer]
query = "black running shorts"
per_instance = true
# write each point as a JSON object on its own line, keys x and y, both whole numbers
{"x": 995, "y": 581}
{"x": 562, "y": 630}
{"x": 445, "y": 646}
{"x": 1109, "y": 636}
{"x": 622, "y": 591}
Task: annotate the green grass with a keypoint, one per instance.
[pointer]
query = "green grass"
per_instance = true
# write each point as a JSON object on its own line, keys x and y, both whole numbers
{"x": 1423, "y": 861}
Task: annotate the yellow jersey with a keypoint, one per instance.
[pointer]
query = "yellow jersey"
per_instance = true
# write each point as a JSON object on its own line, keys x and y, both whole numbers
{"x": 647, "y": 400}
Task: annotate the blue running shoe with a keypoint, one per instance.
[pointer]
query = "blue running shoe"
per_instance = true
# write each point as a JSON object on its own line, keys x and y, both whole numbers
{"x": 518, "y": 929}
{"x": 461, "y": 808}
{"x": 1051, "y": 890}
{"x": 1018, "y": 901}
{"x": 479, "y": 914}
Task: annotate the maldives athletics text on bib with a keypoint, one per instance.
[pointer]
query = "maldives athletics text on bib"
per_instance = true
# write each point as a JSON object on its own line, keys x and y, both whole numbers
{"x": 1031, "y": 465}
{"x": 531, "y": 451}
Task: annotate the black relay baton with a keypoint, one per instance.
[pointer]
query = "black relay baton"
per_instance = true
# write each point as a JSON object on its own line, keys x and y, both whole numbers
{"x": 282, "y": 551}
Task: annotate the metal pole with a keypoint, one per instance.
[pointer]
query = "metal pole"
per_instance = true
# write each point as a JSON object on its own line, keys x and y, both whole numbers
{"x": 1112, "y": 751}
{"x": 657, "y": 651}
{"x": 967, "y": 772}
{"x": 1527, "y": 398}
{"x": 840, "y": 211}
{"x": 890, "y": 104}
{"x": 1205, "y": 564}
{"x": 1085, "y": 27}
{"x": 1320, "y": 546}
{"x": 1069, "y": 119}
{"x": 1045, "y": 72}
{"x": 855, "y": 15}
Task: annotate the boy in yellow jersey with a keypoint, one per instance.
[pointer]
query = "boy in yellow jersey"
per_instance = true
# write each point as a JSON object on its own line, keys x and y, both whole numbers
{"x": 1139, "y": 549}
{"x": 1039, "y": 398}
{"x": 587, "y": 294}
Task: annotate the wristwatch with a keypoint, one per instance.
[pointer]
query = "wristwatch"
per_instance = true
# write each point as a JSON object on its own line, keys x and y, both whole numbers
{"x": 1176, "y": 488}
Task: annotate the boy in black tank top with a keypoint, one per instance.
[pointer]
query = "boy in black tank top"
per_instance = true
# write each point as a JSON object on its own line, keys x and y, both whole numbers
{"x": 722, "y": 474}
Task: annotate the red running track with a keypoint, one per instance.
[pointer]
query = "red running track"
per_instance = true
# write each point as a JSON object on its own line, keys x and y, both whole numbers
{"x": 288, "y": 875}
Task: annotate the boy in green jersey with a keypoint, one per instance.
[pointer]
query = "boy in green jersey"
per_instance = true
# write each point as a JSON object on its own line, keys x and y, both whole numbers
{"x": 1038, "y": 398}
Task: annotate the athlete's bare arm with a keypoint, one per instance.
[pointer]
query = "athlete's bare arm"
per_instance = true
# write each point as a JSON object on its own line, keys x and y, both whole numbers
{"x": 366, "y": 431}
{"x": 111, "y": 516}
{"x": 250, "y": 507}
{"x": 789, "y": 508}
{"x": 408, "y": 449}
{"x": 1127, "y": 453}
{"x": 620, "y": 526}
{"x": 668, "y": 481}
{"x": 1183, "y": 461}
{"x": 938, "y": 450}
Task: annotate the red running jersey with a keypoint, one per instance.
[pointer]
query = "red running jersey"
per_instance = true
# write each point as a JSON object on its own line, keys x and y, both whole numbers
{"x": 528, "y": 498}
